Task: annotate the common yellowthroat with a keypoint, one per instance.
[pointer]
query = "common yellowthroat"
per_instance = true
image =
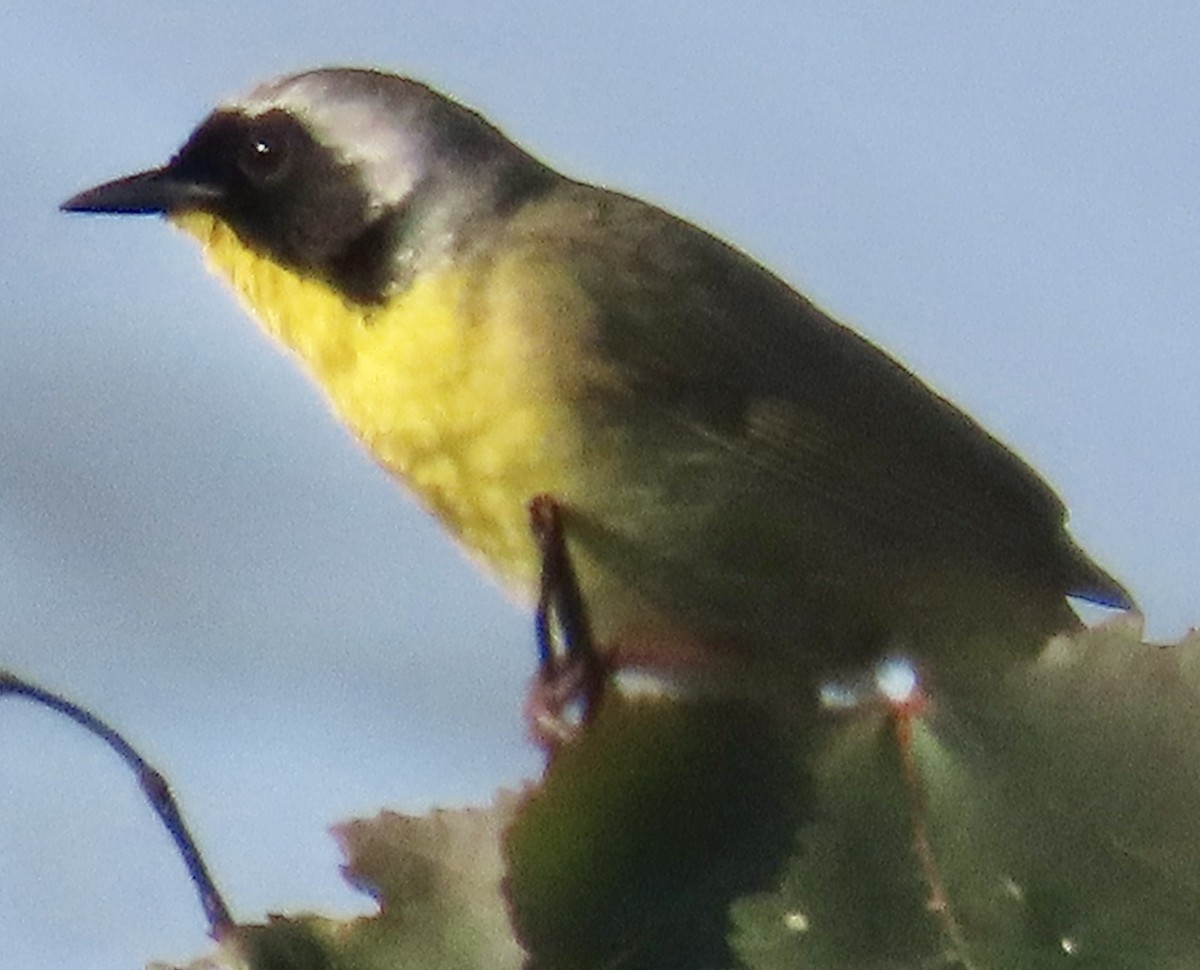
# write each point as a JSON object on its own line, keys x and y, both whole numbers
{"x": 740, "y": 475}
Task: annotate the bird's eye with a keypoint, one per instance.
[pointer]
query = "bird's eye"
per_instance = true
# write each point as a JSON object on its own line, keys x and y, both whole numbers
{"x": 266, "y": 152}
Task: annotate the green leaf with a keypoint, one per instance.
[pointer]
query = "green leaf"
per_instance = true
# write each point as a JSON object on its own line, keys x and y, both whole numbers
{"x": 1044, "y": 818}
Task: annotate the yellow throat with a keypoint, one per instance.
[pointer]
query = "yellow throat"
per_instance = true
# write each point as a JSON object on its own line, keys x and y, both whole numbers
{"x": 442, "y": 384}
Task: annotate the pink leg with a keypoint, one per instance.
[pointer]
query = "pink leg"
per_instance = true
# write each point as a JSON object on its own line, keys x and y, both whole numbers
{"x": 569, "y": 684}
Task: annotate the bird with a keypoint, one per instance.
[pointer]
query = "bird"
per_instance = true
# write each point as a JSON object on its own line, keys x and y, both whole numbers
{"x": 743, "y": 482}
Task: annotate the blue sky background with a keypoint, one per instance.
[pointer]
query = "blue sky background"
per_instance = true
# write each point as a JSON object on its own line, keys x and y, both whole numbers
{"x": 1007, "y": 199}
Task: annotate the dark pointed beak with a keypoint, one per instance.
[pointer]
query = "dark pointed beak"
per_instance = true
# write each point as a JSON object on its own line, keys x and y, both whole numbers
{"x": 158, "y": 191}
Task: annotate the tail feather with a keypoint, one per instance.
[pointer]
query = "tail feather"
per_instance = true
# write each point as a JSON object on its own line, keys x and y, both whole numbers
{"x": 1088, "y": 581}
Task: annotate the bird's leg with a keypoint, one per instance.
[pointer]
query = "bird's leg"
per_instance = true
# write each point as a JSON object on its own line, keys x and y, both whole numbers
{"x": 567, "y": 688}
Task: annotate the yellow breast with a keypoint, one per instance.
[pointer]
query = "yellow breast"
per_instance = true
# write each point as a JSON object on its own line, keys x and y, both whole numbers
{"x": 446, "y": 384}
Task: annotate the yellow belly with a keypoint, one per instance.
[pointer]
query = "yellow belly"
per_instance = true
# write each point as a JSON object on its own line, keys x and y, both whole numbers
{"x": 446, "y": 385}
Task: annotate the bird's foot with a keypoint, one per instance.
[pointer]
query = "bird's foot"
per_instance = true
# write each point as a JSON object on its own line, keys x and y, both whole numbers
{"x": 562, "y": 699}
